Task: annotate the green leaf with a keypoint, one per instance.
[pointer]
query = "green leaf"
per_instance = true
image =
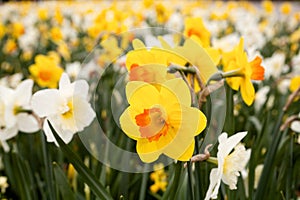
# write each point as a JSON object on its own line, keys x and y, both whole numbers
{"x": 85, "y": 173}
{"x": 62, "y": 182}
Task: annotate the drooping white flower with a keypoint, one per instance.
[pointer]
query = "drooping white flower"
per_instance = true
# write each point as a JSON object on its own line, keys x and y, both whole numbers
{"x": 229, "y": 165}
{"x": 295, "y": 125}
{"x": 14, "y": 105}
{"x": 66, "y": 108}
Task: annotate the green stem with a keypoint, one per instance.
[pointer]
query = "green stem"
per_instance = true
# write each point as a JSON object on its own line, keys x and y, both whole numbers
{"x": 290, "y": 168}
{"x": 48, "y": 168}
{"x": 262, "y": 186}
{"x": 212, "y": 160}
{"x": 172, "y": 188}
{"x": 190, "y": 181}
{"x": 144, "y": 183}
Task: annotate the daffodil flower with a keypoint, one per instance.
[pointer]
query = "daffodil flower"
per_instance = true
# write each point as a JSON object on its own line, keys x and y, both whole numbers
{"x": 161, "y": 120}
{"x": 295, "y": 125}
{"x": 14, "y": 111}
{"x": 204, "y": 59}
{"x": 150, "y": 65}
{"x": 241, "y": 72}
{"x": 45, "y": 71}
{"x": 229, "y": 165}
{"x": 66, "y": 108}
{"x": 194, "y": 26}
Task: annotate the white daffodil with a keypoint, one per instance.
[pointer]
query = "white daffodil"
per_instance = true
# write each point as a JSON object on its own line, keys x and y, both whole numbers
{"x": 66, "y": 108}
{"x": 229, "y": 165}
{"x": 14, "y": 111}
{"x": 295, "y": 125}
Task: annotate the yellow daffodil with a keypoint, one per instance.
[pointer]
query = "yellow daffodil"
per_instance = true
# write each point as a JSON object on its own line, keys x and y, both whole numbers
{"x": 46, "y": 71}
{"x": 236, "y": 63}
{"x": 111, "y": 51}
{"x": 2, "y": 30}
{"x": 268, "y": 6}
{"x": 17, "y": 29}
{"x": 150, "y": 65}
{"x": 159, "y": 176}
{"x": 204, "y": 59}
{"x": 286, "y": 8}
{"x": 161, "y": 120}
{"x": 295, "y": 83}
{"x": 195, "y": 26}
{"x": 56, "y": 34}
{"x": 63, "y": 50}
{"x": 10, "y": 46}
{"x": 43, "y": 13}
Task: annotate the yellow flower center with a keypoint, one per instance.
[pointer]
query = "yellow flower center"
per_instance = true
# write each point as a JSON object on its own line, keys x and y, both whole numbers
{"x": 152, "y": 123}
{"x": 69, "y": 113}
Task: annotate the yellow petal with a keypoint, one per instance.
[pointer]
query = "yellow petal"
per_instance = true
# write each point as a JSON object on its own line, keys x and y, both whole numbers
{"x": 128, "y": 126}
{"x": 141, "y": 96}
{"x": 178, "y": 88}
{"x": 147, "y": 151}
{"x": 214, "y": 54}
{"x": 247, "y": 91}
{"x": 137, "y": 44}
{"x": 198, "y": 57}
{"x": 188, "y": 153}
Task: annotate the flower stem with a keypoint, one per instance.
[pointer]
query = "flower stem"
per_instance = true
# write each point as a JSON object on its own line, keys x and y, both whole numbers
{"x": 173, "y": 188}
{"x": 48, "y": 168}
{"x": 190, "y": 181}
{"x": 212, "y": 160}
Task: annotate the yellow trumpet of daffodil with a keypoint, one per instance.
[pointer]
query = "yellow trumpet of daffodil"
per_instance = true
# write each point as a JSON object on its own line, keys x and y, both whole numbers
{"x": 240, "y": 72}
{"x": 161, "y": 120}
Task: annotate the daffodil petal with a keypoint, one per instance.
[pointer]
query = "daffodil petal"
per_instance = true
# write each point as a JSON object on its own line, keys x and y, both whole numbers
{"x": 138, "y": 44}
{"x": 8, "y": 133}
{"x": 141, "y": 95}
{"x": 128, "y": 126}
{"x": 24, "y": 92}
{"x": 179, "y": 89}
{"x": 48, "y": 102}
{"x": 188, "y": 153}
{"x": 247, "y": 91}
{"x": 147, "y": 151}
{"x": 27, "y": 123}
{"x": 215, "y": 182}
{"x": 226, "y": 145}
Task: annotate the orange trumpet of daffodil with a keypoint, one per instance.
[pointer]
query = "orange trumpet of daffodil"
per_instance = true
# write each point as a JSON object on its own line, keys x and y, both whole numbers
{"x": 239, "y": 72}
{"x": 161, "y": 119}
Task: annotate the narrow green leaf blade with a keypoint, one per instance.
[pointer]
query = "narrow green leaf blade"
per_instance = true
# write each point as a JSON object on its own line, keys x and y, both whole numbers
{"x": 82, "y": 170}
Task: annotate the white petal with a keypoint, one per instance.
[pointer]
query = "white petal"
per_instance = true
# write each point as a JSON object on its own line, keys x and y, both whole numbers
{"x": 295, "y": 126}
{"x": 83, "y": 113}
{"x": 64, "y": 81}
{"x": 23, "y": 92}
{"x": 48, "y": 133}
{"x": 226, "y": 145}
{"x": 5, "y": 146}
{"x": 81, "y": 88}
{"x": 48, "y": 102}
{"x": 215, "y": 181}
{"x": 65, "y": 135}
{"x": 8, "y": 133}
{"x": 6, "y": 94}
{"x": 9, "y": 116}
{"x": 27, "y": 123}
